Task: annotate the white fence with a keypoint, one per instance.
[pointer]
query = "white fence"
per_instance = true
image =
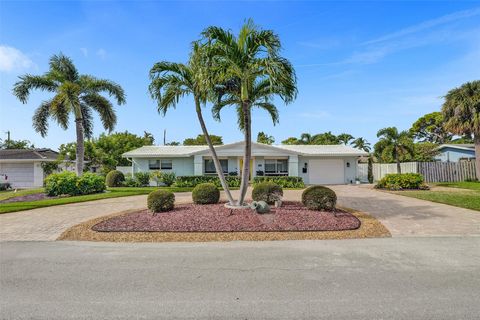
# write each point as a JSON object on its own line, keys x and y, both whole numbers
{"x": 431, "y": 171}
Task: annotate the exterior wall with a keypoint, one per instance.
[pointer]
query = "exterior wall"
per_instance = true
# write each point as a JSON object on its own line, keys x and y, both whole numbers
{"x": 453, "y": 155}
{"x": 180, "y": 166}
{"x": 37, "y": 174}
{"x": 350, "y": 172}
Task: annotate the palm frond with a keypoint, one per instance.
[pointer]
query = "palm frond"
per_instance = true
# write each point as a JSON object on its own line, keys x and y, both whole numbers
{"x": 40, "y": 118}
{"x": 94, "y": 85}
{"x": 27, "y": 83}
{"x": 103, "y": 107}
{"x": 62, "y": 68}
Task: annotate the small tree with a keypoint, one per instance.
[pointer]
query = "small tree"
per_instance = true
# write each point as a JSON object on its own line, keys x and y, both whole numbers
{"x": 264, "y": 138}
{"x": 395, "y": 144}
{"x": 370, "y": 169}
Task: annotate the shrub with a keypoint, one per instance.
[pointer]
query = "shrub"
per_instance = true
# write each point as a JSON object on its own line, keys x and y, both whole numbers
{"x": 61, "y": 183}
{"x": 143, "y": 178}
{"x": 400, "y": 181}
{"x": 5, "y": 186}
{"x": 205, "y": 193}
{"x": 90, "y": 183}
{"x": 168, "y": 178}
{"x": 319, "y": 198}
{"x": 156, "y": 176}
{"x": 131, "y": 182}
{"x": 267, "y": 191}
{"x": 160, "y": 201}
{"x": 193, "y": 181}
{"x": 114, "y": 178}
{"x": 284, "y": 182}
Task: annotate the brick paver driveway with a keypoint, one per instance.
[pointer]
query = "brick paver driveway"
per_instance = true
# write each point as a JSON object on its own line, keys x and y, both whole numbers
{"x": 401, "y": 215}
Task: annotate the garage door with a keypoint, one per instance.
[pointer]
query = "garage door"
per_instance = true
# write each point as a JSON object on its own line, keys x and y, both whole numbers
{"x": 20, "y": 175}
{"x": 326, "y": 171}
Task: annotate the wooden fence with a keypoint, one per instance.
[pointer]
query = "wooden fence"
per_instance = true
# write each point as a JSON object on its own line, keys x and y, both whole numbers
{"x": 431, "y": 171}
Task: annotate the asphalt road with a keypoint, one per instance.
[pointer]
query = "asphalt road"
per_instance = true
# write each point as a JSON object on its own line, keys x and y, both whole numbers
{"x": 402, "y": 278}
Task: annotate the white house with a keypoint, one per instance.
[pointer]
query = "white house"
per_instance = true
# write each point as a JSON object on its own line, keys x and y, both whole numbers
{"x": 316, "y": 164}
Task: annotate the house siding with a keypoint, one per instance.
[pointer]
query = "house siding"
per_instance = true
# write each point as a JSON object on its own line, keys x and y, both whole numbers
{"x": 349, "y": 172}
{"x": 454, "y": 155}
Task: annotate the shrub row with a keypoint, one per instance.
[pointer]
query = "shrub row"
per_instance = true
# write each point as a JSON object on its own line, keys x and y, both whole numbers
{"x": 193, "y": 181}
{"x": 67, "y": 183}
{"x": 401, "y": 181}
{"x": 284, "y": 182}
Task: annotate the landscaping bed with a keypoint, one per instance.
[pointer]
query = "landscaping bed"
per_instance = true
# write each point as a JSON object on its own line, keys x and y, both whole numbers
{"x": 28, "y": 197}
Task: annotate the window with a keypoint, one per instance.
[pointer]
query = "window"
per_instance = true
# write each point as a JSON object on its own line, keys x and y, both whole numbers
{"x": 154, "y": 164}
{"x": 210, "y": 166}
{"x": 276, "y": 166}
{"x": 166, "y": 165}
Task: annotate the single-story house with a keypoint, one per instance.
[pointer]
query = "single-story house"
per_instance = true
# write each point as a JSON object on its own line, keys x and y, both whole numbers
{"x": 22, "y": 168}
{"x": 316, "y": 164}
{"x": 456, "y": 152}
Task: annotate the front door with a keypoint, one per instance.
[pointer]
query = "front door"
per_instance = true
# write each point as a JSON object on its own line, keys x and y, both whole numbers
{"x": 241, "y": 168}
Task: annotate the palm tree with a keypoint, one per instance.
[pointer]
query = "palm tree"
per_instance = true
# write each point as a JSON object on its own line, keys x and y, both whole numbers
{"x": 398, "y": 143}
{"x": 461, "y": 111}
{"x": 252, "y": 61}
{"x": 345, "y": 138}
{"x": 172, "y": 81}
{"x": 75, "y": 94}
{"x": 361, "y": 144}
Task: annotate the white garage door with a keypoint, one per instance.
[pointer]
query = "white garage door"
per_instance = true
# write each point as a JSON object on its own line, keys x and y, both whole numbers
{"x": 20, "y": 175}
{"x": 326, "y": 171}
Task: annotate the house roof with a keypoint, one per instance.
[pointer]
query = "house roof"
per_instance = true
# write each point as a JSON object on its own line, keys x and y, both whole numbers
{"x": 185, "y": 151}
{"x": 28, "y": 154}
{"x": 461, "y": 146}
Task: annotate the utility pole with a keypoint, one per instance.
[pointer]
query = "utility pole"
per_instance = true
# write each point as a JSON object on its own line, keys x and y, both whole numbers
{"x": 8, "y": 136}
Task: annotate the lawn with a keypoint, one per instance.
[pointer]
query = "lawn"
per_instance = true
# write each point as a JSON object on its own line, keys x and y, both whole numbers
{"x": 462, "y": 185}
{"x": 469, "y": 199}
{"x": 111, "y": 193}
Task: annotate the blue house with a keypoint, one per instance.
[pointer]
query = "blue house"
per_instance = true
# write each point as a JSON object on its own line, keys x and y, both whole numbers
{"x": 456, "y": 152}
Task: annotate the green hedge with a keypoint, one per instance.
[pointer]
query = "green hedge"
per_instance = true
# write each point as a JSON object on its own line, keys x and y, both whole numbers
{"x": 114, "y": 178}
{"x": 67, "y": 183}
{"x": 284, "y": 182}
{"x": 401, "y": 181}
{"x": 193, "y": 181}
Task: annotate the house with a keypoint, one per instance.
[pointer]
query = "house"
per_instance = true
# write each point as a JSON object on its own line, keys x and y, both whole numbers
{"x": 22, "y": 168}
{"x": 316, "y": 164}
{"x": 456, "y": 152}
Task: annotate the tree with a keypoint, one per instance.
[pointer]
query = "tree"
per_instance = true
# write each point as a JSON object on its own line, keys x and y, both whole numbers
{"x": 424, "y": 152}
{"x": 345, "y": 138}
{"x": 361, "y": 144}
{"x": 461, "y": 111}
{"x": 394, "y": 144}
{"x": 16, "y": 144}
{"x": 264, "y": 138}
{"x": 252, "y": 64}
{"x": 172, "y": 143}
{"x": 74, "y": 94}
{"x": 430, "y": 128}
{"x": 326, "y": 138}
{"x": 172, "y": 81}
{"x": 291, "y": 140}
{"x": 201, "y": 141}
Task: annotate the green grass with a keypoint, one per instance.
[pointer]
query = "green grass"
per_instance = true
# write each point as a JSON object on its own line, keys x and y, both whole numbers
{"x": 457, "y": 198}
{"x": 112, "y": 193}
{"x": 7, "y": 194}
{"x": 462, "y": 185}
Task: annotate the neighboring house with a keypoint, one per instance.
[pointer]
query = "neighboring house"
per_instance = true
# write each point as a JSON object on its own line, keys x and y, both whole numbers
{"x": 316, "y": 164}
{"x": 23, "y": 167}
{"x": 456, "y": 152}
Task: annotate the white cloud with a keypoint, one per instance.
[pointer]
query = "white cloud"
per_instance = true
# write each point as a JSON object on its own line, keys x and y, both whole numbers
{"x": 102, "y": 53}
{"x": 84, "y": 52}
{"x": 13, "y": 59}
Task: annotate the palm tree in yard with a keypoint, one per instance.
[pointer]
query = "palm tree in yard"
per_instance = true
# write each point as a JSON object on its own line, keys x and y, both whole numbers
{"x": 74, "y": 94}
{"x": 461, "y": 111}
{"x": 252, "y": 64}
{"x": 361, "y": 144}
{"x": 345, "y": 138}
{"x": 394, "y": 142}
{"x": 171, "y": 81}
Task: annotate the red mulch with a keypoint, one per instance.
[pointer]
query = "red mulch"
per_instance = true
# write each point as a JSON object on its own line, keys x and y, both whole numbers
{"x": 292, "y": 216}
{"x": 28, "y": 198}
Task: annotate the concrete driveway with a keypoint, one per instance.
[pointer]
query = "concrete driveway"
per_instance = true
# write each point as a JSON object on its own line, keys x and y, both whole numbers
{"x": 401, "y": 215}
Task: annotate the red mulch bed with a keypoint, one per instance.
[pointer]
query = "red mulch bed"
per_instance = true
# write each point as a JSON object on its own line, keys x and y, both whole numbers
{"x": 28, "y": 198}
{"x": 292, "y": 216}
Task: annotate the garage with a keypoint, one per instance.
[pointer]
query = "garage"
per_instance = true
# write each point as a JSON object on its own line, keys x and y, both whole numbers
{"x": 326, "y": 171}
{"x": 19, "y": 175}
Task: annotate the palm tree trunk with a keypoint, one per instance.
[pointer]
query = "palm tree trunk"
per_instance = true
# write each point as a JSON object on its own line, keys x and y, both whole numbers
{"x": 218, "y": 166}
{"x": 476, "y": 139}
{"x": 80, "y": 146}
{"x": 399, "y": 167}
{"x": 247, "y": 153}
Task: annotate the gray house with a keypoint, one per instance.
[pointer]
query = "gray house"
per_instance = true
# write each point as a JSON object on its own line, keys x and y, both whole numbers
{"x": 456, "y": 152}
{"x": 316, "y": 164}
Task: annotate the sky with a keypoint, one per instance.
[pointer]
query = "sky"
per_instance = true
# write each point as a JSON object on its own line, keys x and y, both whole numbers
{"x": 361, "y": 66}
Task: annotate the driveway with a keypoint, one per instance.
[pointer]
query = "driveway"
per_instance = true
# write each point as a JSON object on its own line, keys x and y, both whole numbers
{"x": 401, "y": 215}
{"x": 389, "y": 278}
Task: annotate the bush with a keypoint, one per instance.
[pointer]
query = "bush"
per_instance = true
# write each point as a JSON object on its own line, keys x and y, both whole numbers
{"x": 401, "y": 181}
{"x": 160, "y": 201}
{"x": 267, "y": 191}
{"x": 90, "y": 183}
{"x": 284, "y": 182}
{"x": 143, "y": 178}
{"x": 319, "y": 198}
{"x": 131, "y": 182}
{"x": 156, "y": 176}
{"x": 205, "y": 193}
{"x": 168, "y": 178}
{"x": 61, "y": 183}
{"x": 114, "y": 178}
{"x": 193, "y": 181}
{"x": 5, "y": 186}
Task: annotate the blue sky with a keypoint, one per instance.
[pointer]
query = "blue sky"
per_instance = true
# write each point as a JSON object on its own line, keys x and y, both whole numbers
{"x": 361, "y": 66}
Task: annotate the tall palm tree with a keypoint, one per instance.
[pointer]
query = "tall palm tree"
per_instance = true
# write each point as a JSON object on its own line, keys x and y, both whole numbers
{"x": 345, "y": 138}
{"x": 461, "y": 111}
{"x": 398, "y": 143}
{"x": 74, "y": 94}
{"x": 172, "y": 81}
{"x": 361, "y": 144}
{"x": 251, "y": 59}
